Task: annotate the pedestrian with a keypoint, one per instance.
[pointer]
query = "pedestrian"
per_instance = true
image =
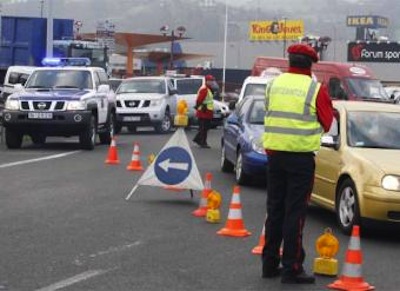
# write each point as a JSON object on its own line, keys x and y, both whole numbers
{"x": 204, "y": 111}
{"x": 298, "y": 110}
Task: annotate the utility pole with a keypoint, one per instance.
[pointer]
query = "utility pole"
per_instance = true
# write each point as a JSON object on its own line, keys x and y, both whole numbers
{"x": 49, "y": 40}
{"x": 225, "y": 43}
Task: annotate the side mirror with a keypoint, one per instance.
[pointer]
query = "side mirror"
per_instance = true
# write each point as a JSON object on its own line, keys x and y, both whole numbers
{"x": 392, "y": 96}
{"x": 104, "y": 88}
{"x": 173, "y": 91}
{"x": 233, "y": 119}
{"x": 329, "y": 141}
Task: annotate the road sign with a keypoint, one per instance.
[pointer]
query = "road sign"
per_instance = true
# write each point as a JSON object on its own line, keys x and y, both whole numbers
{"x": 173, "y": 166}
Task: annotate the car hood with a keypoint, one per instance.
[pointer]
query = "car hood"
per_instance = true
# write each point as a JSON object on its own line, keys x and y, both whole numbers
{"x": 140, "y": 96}
{"x": 51, "y": 95}
{"x": 385, "y": 159}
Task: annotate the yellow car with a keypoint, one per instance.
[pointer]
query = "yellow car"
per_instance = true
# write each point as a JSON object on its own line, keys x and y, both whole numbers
{"x": 358, "y": 166}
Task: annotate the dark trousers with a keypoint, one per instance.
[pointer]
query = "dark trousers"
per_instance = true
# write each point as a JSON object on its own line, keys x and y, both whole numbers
{"x": 290, "y": 181}
{"x": 201, "y": 136}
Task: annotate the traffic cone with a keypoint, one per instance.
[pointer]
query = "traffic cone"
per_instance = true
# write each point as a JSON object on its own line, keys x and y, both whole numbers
{"x": 112, "y": 157}
{"x": 351, "y": 278}
{"x": 235, "y": 225}
{"x": 135, "y": 164}
{"x": 257, "y": 250}
{"x": 202, "y": 210}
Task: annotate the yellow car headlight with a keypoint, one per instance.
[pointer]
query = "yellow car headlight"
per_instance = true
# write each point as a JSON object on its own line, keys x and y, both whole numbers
{"x": 391, "y": 182}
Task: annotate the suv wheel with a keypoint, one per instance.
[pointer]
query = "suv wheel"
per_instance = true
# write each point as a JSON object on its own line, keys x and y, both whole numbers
{"x": 166, "y": 124}
{"x": 87, "y": 138}
{"x": 117, "y": 128}
{"x": 13, "y": 139}
{"x": 106, "y": 136}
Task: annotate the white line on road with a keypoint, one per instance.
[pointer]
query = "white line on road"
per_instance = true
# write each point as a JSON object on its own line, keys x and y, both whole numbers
{"x": 73, "y": 280}
{"x": 37, "y": 160}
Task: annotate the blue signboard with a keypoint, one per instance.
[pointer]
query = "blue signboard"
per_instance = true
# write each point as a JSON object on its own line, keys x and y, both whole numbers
{"x": 173, "y": 165}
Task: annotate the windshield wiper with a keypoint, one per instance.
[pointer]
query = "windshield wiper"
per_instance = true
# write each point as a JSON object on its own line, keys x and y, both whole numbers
{"x": 67, "y": 87}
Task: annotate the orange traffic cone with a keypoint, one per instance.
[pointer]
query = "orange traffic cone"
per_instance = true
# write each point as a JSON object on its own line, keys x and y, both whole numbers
{"x": 135, "y": 164}
{"x": 202, "y": 210}
{"x": 351, "y": 278}
{"x": 112, "y": 157}
{"x": 235, "y": 225}
{"x": 257, "y": 250}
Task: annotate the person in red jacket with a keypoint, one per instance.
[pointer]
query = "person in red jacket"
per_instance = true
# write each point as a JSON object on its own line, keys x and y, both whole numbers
{"x": 204, "y": 111}
{"x": 299, "y": 110}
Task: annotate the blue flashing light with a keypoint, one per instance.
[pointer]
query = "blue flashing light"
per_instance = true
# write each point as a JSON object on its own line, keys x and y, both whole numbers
{"x": 62, "y": 62}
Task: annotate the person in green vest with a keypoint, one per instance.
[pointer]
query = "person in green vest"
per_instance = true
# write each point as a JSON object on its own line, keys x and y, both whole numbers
{"x": 204, "y": 111}
{"x": 298, "y": 111}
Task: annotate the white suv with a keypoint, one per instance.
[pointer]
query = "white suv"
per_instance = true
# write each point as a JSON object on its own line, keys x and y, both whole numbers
{"x": 146, "y": 101}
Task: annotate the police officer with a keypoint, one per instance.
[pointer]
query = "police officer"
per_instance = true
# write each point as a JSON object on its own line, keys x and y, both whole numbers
{"x": 298, "y": 110}
{"x": 204, "y": 111}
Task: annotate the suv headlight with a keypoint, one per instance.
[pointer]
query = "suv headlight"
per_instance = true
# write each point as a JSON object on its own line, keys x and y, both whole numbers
{"x": 76, "y": 105}
{"x": 155, "y": 102}
{"x": 391, "y": 182}
{"x": 12, "y": 104}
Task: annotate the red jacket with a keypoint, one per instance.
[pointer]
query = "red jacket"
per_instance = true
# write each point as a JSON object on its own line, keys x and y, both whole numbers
{"x": 201, "y": 95}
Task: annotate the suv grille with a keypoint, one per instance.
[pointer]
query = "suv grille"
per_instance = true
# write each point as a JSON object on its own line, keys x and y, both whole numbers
{"x": 42, "y": 105}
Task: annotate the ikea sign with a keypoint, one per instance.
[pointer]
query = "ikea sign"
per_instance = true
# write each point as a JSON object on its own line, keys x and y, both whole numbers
{"x": 368, "y": 21}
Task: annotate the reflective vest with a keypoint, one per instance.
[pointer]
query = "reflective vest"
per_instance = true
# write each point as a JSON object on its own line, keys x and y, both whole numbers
{"x": 291, "y": 123}
{"x": 208, "y": 101}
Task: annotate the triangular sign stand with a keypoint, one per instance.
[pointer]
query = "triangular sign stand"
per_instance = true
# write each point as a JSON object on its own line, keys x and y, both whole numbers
{"x": 173, "y": 166}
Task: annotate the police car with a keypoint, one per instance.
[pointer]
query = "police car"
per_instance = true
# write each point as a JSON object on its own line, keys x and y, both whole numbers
{"x": 63, "y": 99}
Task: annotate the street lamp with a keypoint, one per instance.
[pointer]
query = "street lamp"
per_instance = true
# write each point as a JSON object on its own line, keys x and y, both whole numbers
{"x": 181, "y": 31}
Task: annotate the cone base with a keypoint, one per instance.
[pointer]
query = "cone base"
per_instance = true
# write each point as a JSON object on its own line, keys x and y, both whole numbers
{"x": 201, "y": 212}
{"x": 134, "y": 168}
{"x": 341, "y": 285}
{"x": 257, "y": 250}
{"x": 112, "y": 162}
{"x": 234, "y": 232}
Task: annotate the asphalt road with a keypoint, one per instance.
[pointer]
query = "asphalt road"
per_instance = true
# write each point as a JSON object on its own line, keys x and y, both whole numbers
{"x": 65, "y": 225}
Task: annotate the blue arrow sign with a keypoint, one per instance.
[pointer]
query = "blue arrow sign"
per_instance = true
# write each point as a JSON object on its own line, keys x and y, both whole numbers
{"x": 173, "y": 165}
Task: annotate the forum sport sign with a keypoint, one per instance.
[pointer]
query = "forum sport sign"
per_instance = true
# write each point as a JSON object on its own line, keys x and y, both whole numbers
{"x": 378, "y": 52}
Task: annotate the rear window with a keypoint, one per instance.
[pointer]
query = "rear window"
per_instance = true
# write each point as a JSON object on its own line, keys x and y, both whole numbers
{"x": 255, "y": 89}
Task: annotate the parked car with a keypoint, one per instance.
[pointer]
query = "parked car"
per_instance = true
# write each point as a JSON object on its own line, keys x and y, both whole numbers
{"x": 146, "y": 101}
{"x": 357, "y": 170}
{"x": 241, "y": 145}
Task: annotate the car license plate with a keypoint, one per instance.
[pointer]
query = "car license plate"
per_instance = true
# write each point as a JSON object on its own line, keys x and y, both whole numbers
{"x": 217, "y": 115}
{"x": 40, "y": 115}
{"x": 131, "y": 118}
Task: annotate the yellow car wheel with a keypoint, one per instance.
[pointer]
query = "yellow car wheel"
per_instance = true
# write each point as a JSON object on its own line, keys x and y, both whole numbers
{"x": 347, "y": 209}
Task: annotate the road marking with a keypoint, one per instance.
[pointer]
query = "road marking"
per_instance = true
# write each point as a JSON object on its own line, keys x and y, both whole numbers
{"x": 37, "y": 160}
{"x": 73, "y": 280}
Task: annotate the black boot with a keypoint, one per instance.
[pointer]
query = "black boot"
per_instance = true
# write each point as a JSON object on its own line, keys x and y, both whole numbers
{"x": 300, "y": 278}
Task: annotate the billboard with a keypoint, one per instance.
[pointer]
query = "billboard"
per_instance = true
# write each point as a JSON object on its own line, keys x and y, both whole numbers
{"x": 271, "y": 30}
{"x": 378, "y": 52}
{"x": 369, "y": 21}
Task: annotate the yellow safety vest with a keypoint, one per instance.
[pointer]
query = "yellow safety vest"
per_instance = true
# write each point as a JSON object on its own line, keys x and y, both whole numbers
{"x": 291, "y": 123}
{"x": 208, "y": 101}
